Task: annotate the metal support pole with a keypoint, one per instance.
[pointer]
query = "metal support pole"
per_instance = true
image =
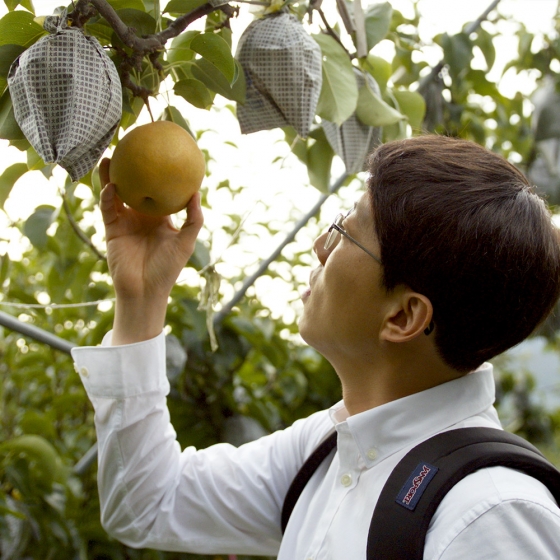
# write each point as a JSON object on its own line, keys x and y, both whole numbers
{"x": 36, "y": 333}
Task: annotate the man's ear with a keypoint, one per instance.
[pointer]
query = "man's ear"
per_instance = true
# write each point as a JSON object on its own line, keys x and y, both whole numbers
{"x": 408, "y": 317}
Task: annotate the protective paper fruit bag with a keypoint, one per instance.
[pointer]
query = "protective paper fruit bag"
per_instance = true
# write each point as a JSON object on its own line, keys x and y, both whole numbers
{"x": 67, "y": 97}
{"x": 352, "y": 141}
{"x": 282, "y": 66}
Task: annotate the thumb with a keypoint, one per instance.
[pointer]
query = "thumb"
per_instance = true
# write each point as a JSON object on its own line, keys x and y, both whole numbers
{"x": 110, "y": 204}
{"x": 193, "y": 223}
{"x": 104, "y": 171}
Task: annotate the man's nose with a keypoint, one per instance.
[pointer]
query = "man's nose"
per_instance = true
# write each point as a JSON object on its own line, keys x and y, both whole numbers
{"x": 319, "y": 248}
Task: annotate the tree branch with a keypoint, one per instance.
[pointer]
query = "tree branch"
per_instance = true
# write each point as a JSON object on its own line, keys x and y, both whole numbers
{"x": 126, "y": 34}
{"x": 85, "y": 9}
{"x": 150, "y": 45}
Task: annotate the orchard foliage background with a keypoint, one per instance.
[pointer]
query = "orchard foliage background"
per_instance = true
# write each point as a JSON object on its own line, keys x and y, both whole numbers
{"x": 261, "y": 377}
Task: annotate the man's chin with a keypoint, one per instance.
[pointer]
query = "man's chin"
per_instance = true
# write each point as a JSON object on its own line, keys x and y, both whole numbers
{"x": 306, "y": 331}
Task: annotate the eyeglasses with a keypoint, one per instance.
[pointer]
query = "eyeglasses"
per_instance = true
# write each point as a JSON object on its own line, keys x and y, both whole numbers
{"x": 336, "y": 229}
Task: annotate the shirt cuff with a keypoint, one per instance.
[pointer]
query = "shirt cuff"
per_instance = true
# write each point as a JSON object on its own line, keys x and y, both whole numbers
{"x": 119, "y": 372}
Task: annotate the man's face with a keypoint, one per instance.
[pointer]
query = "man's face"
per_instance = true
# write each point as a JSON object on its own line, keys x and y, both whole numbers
{"x": 344, "y": 304}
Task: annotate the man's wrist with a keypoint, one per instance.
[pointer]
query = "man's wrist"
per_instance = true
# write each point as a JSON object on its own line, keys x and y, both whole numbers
{"x": 138, "y": 320}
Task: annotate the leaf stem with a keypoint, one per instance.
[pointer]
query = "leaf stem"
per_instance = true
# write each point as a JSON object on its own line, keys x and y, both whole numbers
{"x": 77, "y": 229}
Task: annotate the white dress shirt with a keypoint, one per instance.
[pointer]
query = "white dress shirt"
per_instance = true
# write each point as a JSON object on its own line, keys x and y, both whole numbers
{"x": 228, "y": 500}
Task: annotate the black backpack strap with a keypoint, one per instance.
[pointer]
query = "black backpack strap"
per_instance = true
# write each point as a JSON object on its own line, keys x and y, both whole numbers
{"x": 304, "y": 474}
{"x": 421, "y": 480}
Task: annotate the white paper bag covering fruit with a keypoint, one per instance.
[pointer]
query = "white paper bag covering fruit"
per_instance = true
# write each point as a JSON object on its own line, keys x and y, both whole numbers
{"x": 67, "y": 97}
{"x": 282, "y": 66}
{"x": 352, "y": 141}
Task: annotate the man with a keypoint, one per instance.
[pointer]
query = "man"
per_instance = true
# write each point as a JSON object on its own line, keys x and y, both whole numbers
{"x": 448, "y": 259}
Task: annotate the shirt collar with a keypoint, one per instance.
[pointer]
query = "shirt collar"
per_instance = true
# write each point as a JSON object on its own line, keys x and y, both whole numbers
{"x": 389, "y": 428}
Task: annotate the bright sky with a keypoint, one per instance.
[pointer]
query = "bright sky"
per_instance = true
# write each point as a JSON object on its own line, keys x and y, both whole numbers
{"x": 276, "y": 191}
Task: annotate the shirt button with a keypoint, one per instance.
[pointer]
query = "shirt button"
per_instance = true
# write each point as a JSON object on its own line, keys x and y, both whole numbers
{"x": 346, "y": 479}
{"x": 84, "y": 371}
{"x": 372, "y": 454}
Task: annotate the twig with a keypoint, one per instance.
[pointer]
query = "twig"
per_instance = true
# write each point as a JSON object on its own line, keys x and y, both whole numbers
{"x": 77, "y": 229}
{"x": 250, "y": 280}
{"x": 331, "y": 31}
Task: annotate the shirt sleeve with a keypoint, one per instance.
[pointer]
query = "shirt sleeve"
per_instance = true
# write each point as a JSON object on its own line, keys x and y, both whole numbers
{"x": 217, "y": 500}
{"x": 496, "y": 514}
{"x": 511, "y": 530}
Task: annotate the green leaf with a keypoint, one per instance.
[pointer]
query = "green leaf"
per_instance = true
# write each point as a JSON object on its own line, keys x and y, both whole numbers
{"x": 173, "y": 114}
{"x": 213, "y": 79}
{"x": 34, "y": 160}
{"x": 150, "y": 77}
{"x": 339, "y": 92}
{"x": 36, "y": 226}
{"x": 378, "y": 22}
{"x": 201, "y": 256}
{"x": 411, "y": 104}
{"x": 47, "y": 463}
{"x": 395, "y": 131}
{"x": 101, "y": 31}
{"x": 131, "y": 110}
{"x": 195, "y": 92}
{"x": 8, "y": 178}
{"x": 9, "y": 129}
{"x": 180, "y": 49}
{"x": 21, "y": 144}
{"x": 319, "y": 160}
{"x": 183, "y": 6}
{"x": 457, "y": 52}
{"x": 8, "y": 53}
{"x": 525, "y": 42}
{"x": 485, "y": 42}
{"x": 128, "y": 4}
{"x": 18, "y": 28}
{"x": 216, "y": 51}
{"x": 143, "y": 23}
{"x": 13, "y": 4}
{"x": 482, "y": 86}
{"x": 379, "y": 68}
{"x": 373, "y": 111}
{"x": 296, "y": 143}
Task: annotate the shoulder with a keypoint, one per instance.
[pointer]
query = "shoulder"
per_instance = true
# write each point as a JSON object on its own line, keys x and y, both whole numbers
{"x": 495, "y": 513}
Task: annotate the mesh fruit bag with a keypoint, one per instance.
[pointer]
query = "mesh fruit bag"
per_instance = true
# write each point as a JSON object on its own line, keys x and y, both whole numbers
{"x": 67, "y": 97}
{"x": 352, "y": 141}
{"x": 282, "y": 66}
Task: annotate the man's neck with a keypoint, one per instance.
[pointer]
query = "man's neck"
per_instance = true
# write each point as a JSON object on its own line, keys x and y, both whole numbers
{"x": 394, "y": 374}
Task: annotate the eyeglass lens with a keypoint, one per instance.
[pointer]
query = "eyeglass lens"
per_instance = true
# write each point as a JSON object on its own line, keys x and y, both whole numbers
{"x": 334, "y": 234}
